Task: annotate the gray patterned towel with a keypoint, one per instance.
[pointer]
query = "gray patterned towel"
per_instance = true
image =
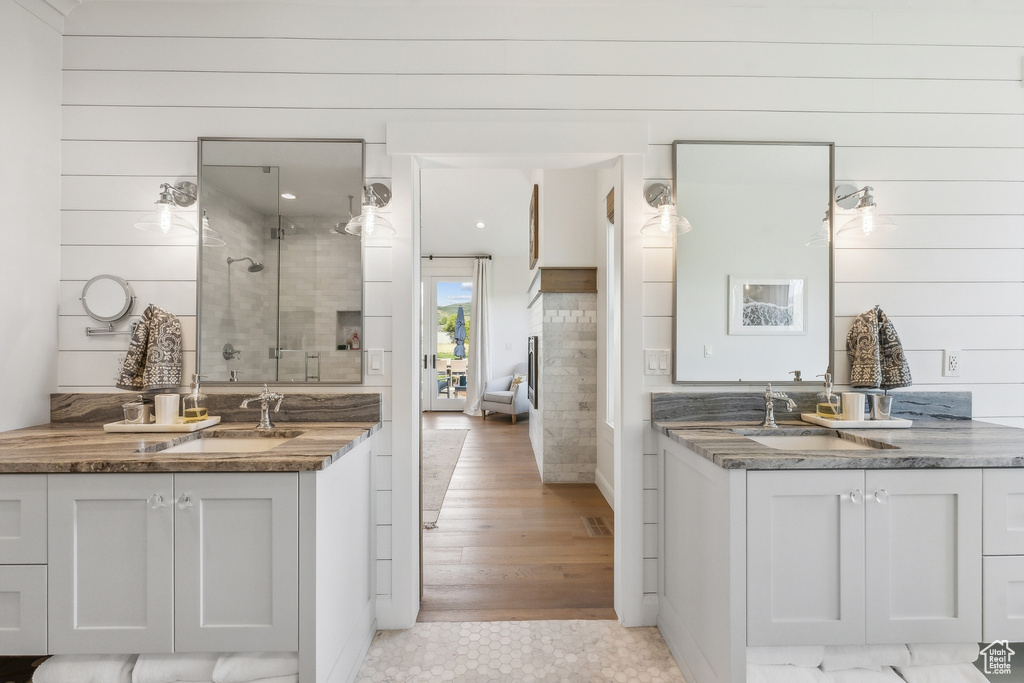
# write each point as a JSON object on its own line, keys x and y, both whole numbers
{"x": 875, "y": 353}
{"x": 153, "y": 361}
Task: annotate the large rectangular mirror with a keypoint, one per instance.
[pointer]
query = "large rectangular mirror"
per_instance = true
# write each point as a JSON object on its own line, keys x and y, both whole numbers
{"x": 280, "y": 291}
{"x": 753, "y": 279}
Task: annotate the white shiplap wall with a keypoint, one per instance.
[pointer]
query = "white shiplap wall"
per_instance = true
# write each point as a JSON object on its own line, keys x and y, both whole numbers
{"x": 926, "y": 105}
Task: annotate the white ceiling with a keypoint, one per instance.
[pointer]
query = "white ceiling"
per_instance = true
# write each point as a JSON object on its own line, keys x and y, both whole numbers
{"x": 454, "y": 200}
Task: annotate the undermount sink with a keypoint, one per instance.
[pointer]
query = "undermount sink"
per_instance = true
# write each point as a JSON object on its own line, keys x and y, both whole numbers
{"x": 226, "y": 445}
{"x": 228, "y": 442}
{"x": 810, "y": 442}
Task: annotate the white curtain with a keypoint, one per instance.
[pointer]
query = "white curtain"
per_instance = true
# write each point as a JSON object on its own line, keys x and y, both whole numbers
{"x": 479, "y": 368}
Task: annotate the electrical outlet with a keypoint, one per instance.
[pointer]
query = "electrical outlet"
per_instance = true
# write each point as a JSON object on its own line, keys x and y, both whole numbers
{"x": 951, "y": 362}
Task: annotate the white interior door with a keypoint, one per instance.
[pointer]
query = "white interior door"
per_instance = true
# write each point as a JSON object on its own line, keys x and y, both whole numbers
{"x": 445, "y": 360}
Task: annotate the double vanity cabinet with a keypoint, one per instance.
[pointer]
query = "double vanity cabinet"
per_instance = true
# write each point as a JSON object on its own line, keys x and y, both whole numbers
{"x": 135, "y": 552}
{"x": 770, "y": 547}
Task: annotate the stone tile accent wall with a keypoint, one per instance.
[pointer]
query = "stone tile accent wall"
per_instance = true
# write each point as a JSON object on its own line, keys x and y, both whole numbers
{"x": 567, "y": 409}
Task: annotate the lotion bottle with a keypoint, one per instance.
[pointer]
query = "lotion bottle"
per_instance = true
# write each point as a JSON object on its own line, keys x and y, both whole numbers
{"x": 828, "y": 403}
{"x": 193, "y": 405}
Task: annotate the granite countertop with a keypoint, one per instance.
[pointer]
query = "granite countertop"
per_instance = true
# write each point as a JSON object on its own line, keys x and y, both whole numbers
{"x": 85, "y": 447}
{"x": 928, "y": 443}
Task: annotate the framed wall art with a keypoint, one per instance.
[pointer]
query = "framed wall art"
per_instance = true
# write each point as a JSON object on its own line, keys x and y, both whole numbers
{"x": 760, "y": 305}
{"x": 534, "y": 224}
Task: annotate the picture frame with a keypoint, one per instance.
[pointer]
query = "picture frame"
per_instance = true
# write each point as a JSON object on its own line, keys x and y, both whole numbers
{"x": 533, "y": 359}
{"x": 534, "y": 227}
{"x": 767, "y": 306}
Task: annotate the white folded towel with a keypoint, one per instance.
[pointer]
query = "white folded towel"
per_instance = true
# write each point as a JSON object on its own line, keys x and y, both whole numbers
{"x": 809, "y": 655}
{"x": 884, "y": 674}
{"x": 245, "y": 667}
{"x": 294, "y": 678}
{"x": 943, "y": 673}
{"x": 86, "y": 669}
{"x": 175, "y": 668}
{"x": 943, "y": 653}
{"x": 784, "y": 673}
{"x": 864, "y": 656}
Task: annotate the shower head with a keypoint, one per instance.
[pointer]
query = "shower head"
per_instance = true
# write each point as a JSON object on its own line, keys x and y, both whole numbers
{"x": 254, "y": 268}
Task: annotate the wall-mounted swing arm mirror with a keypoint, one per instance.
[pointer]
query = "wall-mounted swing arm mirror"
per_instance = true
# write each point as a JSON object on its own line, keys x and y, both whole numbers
{"x": 281, "y": 287}
{"x": 753, "y": 279}
{"x": 108, "y": 298}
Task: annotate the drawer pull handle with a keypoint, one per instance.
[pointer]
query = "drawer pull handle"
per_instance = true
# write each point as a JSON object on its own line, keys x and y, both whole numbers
{"x": 156, "y": 501}
{"x": 857, "y": 496}
{"x": 184, "y": 501}
{"x": 881, "y": 495}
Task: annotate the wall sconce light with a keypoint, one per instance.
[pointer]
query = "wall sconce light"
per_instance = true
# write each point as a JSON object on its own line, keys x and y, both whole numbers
{"x": 211, "y": 238}
{"x": 164, "y": 220}
{"x": 823, "y": 235}
{"x": 667, "y": 221}
{"x": 369, "y": 222}
{"x": 867, "y": 221}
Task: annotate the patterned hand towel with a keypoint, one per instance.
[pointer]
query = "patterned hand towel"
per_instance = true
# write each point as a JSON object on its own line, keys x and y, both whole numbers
{"x": 863, "y": 352}
{"x": 875, "y": 353}
{"x": 895, "y": 369}
{"x": 154, "y": 356}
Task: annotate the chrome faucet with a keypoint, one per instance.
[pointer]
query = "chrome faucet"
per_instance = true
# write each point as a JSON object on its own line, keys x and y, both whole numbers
{"x": 265, "y": 398}
{"x": 769, "y": 405}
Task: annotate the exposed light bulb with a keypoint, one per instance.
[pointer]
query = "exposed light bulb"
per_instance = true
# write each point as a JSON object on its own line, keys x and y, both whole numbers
{"x": 164, "y": 212}
{"x": 287, "y": 195}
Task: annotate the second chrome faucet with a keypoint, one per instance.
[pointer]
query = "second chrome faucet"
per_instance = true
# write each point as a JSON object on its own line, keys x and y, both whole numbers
{"x": 770, "y": 395}
{"x": 265, "y": 399}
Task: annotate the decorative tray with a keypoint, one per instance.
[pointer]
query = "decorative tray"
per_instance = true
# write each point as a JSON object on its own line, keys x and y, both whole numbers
{"x": 120, "y": 426}
{"x": 893, "y": 423}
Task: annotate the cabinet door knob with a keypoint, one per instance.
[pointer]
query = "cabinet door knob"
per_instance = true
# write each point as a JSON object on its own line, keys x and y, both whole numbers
{"x": 857, "y": 496}
{"x": 156, "y": 501}
{"x": 881, "y": 495}
{"x": 184, "y": 501}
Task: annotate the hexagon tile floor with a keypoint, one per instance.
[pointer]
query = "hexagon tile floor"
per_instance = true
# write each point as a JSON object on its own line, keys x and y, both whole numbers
{"x": 520, "y": 652}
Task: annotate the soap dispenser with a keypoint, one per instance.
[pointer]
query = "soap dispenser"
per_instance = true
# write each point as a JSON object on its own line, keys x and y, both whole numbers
{"x": 828, "y": 403}
{"x": 193, "y": 405}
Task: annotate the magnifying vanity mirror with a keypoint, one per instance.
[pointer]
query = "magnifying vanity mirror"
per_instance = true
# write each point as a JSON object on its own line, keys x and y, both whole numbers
{"x": 753, "y": 279}
{"x": 108, "y": 299}
{"x": 280, "y": 291}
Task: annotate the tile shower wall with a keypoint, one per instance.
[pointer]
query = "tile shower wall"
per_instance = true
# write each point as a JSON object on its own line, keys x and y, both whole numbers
{"x": 239, "y": 304}
{"x": 567, "y": 409}
{"x": 315, "y": 296}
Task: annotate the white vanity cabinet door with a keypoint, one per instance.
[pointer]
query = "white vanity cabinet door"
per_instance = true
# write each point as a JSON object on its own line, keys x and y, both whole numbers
{"x": 111, "y": 586}
{"x": 23, "y": 519}
{"x": 23, "y": 609}
{"x": 236, "y": 562}
{"x": 805, "y": 564}
{"x": 923, "y": 556}
{"x": 1004, "y": 511}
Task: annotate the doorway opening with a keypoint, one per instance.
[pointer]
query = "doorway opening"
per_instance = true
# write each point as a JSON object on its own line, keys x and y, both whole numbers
{"x": 501, "y": 544}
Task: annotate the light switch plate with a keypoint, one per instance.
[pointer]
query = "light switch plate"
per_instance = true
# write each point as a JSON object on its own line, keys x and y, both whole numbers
{"x": 375, "y": 362}
{"x": 656, "y": 362}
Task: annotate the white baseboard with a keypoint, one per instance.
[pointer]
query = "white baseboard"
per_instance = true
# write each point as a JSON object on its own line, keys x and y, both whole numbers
{"x": 607, "y": 490}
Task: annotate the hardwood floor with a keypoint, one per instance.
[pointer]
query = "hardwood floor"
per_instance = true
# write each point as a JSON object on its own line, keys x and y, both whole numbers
{"x": 506, "y": 546}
